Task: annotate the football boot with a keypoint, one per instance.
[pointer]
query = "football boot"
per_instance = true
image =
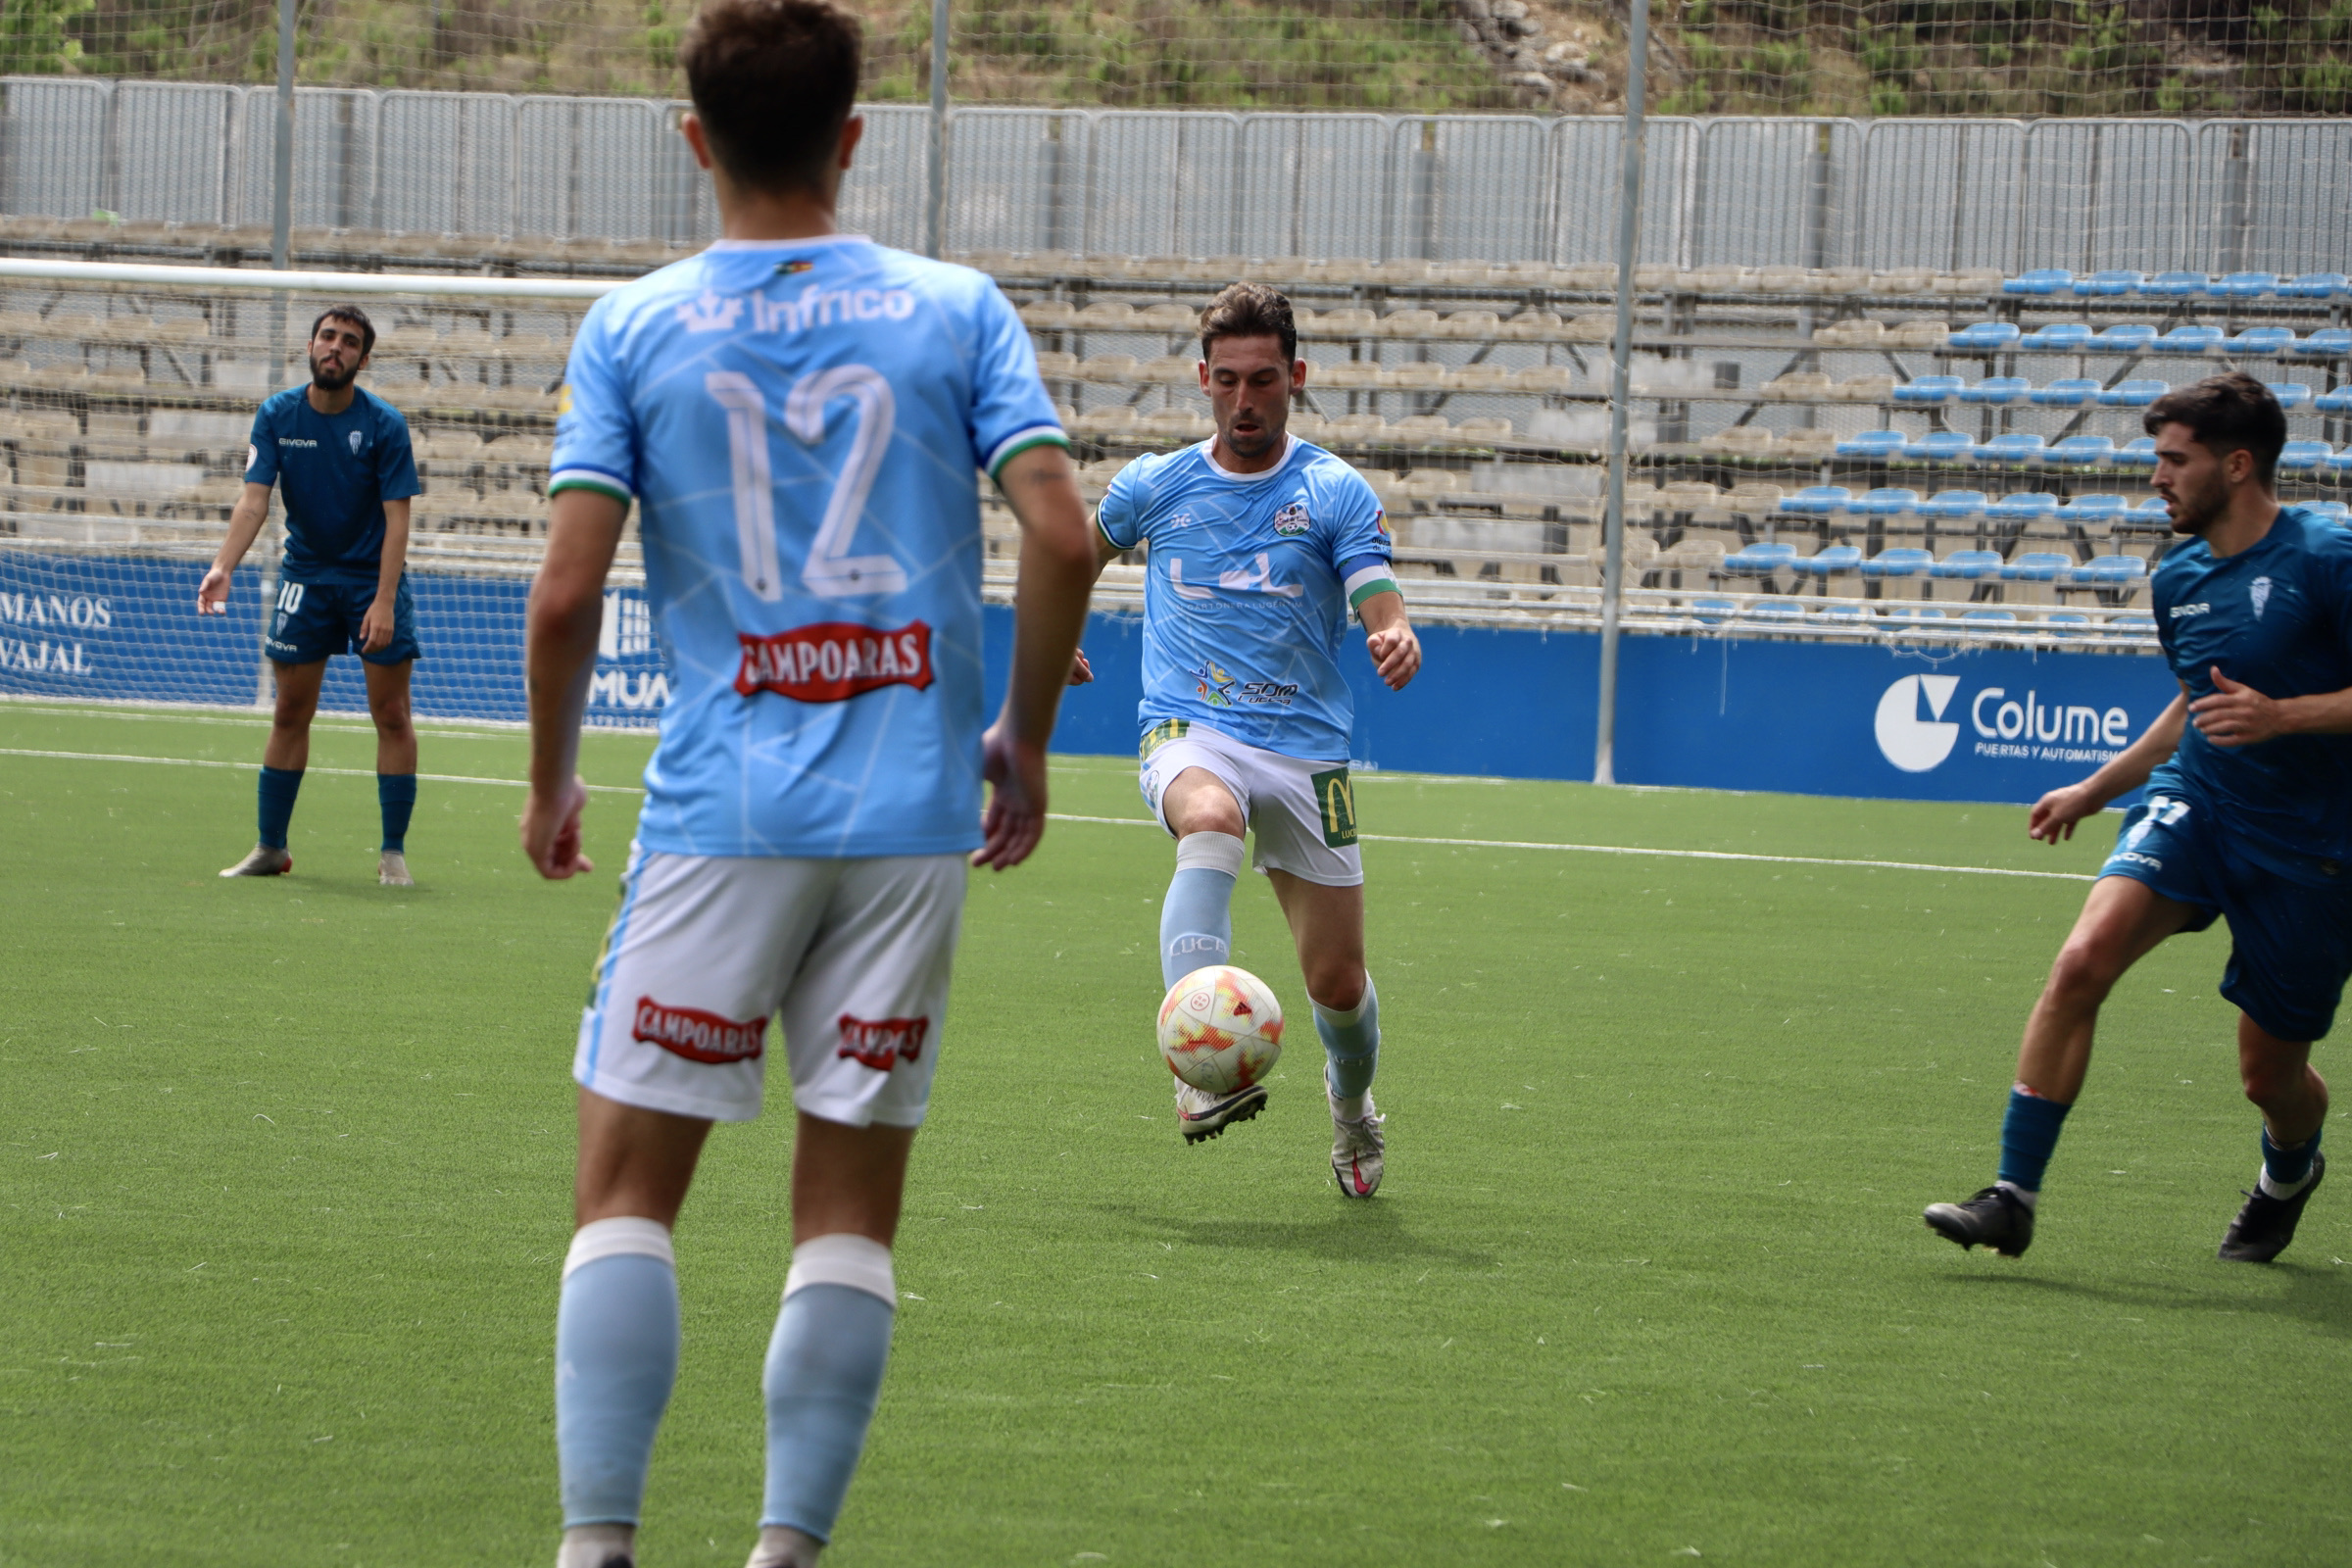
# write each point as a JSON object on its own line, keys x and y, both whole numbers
{"x": 2264, "y": 1226}
{"x": 1995, "y": 1217}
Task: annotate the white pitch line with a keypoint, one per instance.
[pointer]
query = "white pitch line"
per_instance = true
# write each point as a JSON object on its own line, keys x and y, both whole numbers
{"x": 1140, "y": 821}
{"x": 344, "y": 773}
{"x": 1670, "y": 855}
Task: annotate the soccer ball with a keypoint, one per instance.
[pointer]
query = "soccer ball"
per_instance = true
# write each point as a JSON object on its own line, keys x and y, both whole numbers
{"x": 1220, "y": 1029}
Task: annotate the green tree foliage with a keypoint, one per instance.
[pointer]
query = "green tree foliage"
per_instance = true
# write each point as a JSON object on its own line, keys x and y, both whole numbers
{"x": 34, "y": 36}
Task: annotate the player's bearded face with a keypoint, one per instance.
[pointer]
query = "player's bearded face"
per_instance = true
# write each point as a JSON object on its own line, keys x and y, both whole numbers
{"x": 334, "y": 363}
{"x": 1249, "y": 385}
{"x": 2190, "y": 480}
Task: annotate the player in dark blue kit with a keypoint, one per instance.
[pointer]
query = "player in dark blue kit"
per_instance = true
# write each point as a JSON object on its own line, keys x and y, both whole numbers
{"x": 2248, "y": 817}
{"x": 342, "y": 456}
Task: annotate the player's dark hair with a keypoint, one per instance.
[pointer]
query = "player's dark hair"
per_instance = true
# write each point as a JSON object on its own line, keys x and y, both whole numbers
{"x": 1249, "y": 310}
{"x": 357, "y": 318}
{"x": 2225, "y": 413}
{"x": 773, "y": 82}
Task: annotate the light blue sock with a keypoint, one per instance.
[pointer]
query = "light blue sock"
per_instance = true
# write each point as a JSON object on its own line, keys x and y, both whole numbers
{"x": 1196, "y": 922}
{"x": 824, "y": 1377}
{"x": 617, "y": 1356}
{"x": 1350, "y": 1045}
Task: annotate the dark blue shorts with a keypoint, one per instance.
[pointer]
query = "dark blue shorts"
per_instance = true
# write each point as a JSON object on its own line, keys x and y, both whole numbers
{"x": 315, "y": 620}
{"x": 2291, "y": 942}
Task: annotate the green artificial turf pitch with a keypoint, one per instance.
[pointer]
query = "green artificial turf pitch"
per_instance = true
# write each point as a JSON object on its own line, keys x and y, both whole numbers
{"x": 288, "y": 1161}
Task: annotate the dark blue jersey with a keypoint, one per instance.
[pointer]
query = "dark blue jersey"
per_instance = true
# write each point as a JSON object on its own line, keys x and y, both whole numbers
{"x": 2278, "y": 617}
{"x": 336, "y": 473}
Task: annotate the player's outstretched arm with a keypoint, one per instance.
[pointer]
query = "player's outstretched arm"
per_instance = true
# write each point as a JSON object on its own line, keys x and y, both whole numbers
{"x": 1058, "y": 567}
{"x": 1389, "y": 638}
{"x": 2055, "y": 814}
{"x": 245, "y": 521}
{"x": 568, "y": 604}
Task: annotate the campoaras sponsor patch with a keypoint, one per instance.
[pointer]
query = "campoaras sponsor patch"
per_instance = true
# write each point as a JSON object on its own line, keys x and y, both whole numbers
{"x": 698, "y": 1036}
{"x": 834, "y": 660}
{"x": 882, "y": 1043}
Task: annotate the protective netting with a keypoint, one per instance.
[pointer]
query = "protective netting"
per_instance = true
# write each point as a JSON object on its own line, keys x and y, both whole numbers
{"x": 1774, "y": 56}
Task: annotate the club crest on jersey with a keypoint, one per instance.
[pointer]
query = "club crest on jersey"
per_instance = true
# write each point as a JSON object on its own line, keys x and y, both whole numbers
{"x": 2260, "y": 592}
{"x": 710, "y": 313}
{"x": 794, "y": 269}
{"x": 834, "y": 660}
{"x": 698, "y": 1036}
{"x": 882, "y": 1043}
{"x": 1292, "y": 518}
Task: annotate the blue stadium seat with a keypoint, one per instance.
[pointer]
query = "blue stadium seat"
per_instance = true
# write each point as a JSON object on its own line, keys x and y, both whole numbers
{"x": 1929, "y": 389}
{"x": 2338, "y": 401}
{"x": 2082, "y": 451}
{"x": 2059, "y": 337}
{"x": 2176, "y": 285}
{"x": 1910, "y": 613}
{"x": 2190, "y": 340}
{"x": 1775, "y": 610}
{"x": 1873, "y": 444}
{"x": 1989, "y": 617}
{"x": 2301, "y": 457}
{"x": 2066, "y": 624}
{"x": 1903, "y": 561}
{"x": 2314, "y": 286}
{"x": 2106, "y": 572}
{"x": 2242, "y": 286}
{"x": 1957, "y": 503}
{"x": 2137, "y": 453}
{"x": 1830, "y": 560}
{"x": 1998, "y": 390}
{"x": 2262, "y": 340}
{"x": 2073, "y": 392}
{"x": 1714, "y": 612}
{"x": 1885, "y": 502}
{"x": 2338, "y": 463}
{"x": 2125, "y": 337}
{"x": 2011, "y": 446}
{"x": 1942, "y": 446}
{"x": 1986, "y": 335}
{"x": 1843, "y": 613}
{"x": 1818, "y": 501}
{"x": 2151, "y": 509}
{"x": 2026, "y": 506}
{"x": 2035, "y": 566}
{"x": 2091, "y": 509}
{"x": 1967, "y": 565}
{"x": 2133, "y": 394}
{"x": 2329, "y": 342}
{"x": 2041, "y": 281}
{"x": 2291, "y": 394}
{"x": 2109, "y": 281}
{"x": 2146, "y": 623}
{"x": 1759, "y": 559}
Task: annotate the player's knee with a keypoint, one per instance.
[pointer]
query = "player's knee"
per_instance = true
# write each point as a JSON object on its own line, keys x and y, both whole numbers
{"x": 2086, "y": 969}
{"x": 391, "y": 714}
{"x": 1208, "y": 810}
{"x": 1336, "y": 984}
{"x": 2267, "y": 1081}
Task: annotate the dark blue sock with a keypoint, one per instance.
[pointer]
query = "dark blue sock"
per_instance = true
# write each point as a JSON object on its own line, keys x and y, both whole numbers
{"x": 280, "y": 786}
{"x": 2288, "y": 1166}
{"x": 2028, "y": 1133}
{"x": 396, "y": 794}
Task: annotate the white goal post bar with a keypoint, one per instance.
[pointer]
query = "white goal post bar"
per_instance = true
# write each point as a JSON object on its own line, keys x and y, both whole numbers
{"x": 445, "y": 285}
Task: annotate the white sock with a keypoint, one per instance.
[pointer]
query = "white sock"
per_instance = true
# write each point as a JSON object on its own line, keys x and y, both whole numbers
{"x": 2265, "y": 1183}
{"x": 1348, "y": 1108}
{"x": 2028, "y": 1198}
{"x": 595, "y": 1546}
{"x": 782, "y": 1546}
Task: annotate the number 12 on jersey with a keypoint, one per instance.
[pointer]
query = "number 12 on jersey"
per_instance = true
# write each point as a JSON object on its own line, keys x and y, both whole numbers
{"x": 831, "y": 571}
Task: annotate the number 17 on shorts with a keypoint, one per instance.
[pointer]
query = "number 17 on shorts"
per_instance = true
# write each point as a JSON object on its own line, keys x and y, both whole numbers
{"x": 852, "y": 959}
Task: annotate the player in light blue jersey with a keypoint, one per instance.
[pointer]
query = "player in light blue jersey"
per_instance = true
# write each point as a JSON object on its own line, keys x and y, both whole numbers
{"x": 800, "y": 415}
{"x": 1261, "y": 546}
{"x": 2248, "y": 817}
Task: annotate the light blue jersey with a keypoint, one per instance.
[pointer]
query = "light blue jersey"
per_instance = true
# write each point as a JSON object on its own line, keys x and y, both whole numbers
{"x": 1248, "y": 591}
{"x": 801, "y": 421}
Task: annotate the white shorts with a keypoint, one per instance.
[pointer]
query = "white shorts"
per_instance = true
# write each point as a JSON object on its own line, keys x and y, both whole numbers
{"x": 1302, "y": 814}
{"x": 850, "y": 956}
